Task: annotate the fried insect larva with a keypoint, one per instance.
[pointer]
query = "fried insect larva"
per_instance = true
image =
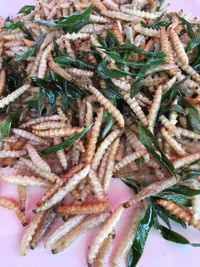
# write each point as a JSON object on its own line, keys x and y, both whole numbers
{"x": 61, "y": 153}
{"x": 120, "y": 15}
{"x": 60, "y": 71}
{"x": 89, "y": 114}
{"x": 169, "y": 83}
{"x": 111, "y": 5}
{"x": 106, "y": 229}
{"x": 2, "y": 81}
{"x": 178, "y": 46}
{"x": 189, "y": 83}
{"x": 46, "y": 222}
{"x": 36, "y": 159}
{"x": 118, "y": 31}
{"x": 143, "y": 99}
{"x": 188, "y": 133}
{"x": 98, "y": 19}
{"x": 49, "y": 176}
{"x": 139, "y": 13}
{"x": 102, "y": 166}
{"x": 153, "y": 112}
{"x": 146, "y": 31}
{"x": 22, "y": 193}
{"x": 94, "y": 137}
{"x": 25, "y": 180}
{"x": 13, "y": 36}
{"x": 48, "y": 125}
{"x": 64, "y": 190}
{"x": 60, "y": 132}
{"x": 74, "y": 36}
{"x": 108, "y": 105}
{"x": 123, "y": 85}
{"x": 126, "y": 243}
{"x": 104, "y": 251}
{"x": 63, "y": 230}
{"x": 186, "y": 160}
{"x": 8, "y": 204}
{"x": 85, "y": 209}
{"x": 170, "y": 126}
{"x": 98, "y": 4}
{"x": 173, "y": 143}
{"x": 190, "y": 71}
{"x": 111, "y": 161}
{"x": 29, "y": 233}
{"x": 40, "y": 120}
{"x": 80, "y": 72}
{"x": 12, "y": 154}
{"x": 133, "y": 140}
{"x": 87, "y": 224}
{"x": 62, "y": 115}
{"x": 96, "y": 186}
{"x": 150, "y": 81}
{"x": 13, "y": 96}
{"x": 132, "y": 102}
{"x": 29, "y": 136}
{"x": 151, "y": 190}
{"x": 103, "y": 147}
{"x": 43, "y": 63}
{"x": 129, "y": 158}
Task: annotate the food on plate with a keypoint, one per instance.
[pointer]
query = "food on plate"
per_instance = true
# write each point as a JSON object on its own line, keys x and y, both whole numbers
{"x": 96, "y": 91}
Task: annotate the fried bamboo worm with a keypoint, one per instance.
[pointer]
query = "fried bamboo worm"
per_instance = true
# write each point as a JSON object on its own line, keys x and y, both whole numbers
{"x": 45, "y": 224}
{"x": 8, "y": 204}
{"x": 87, "y": 224}
{"x": 64, "y": 190}
{"x": 96, "y": 186}
{"x": 186, "y": 160}
{"x": 12, "y": 154}
{"x": 29, "y": 233}
{"x": 43, "y": 63}
{"x": 61, "y": 153}
{"x": 60, "y": 71}
{"x": 94, "y": 137}
{"x": 25, "y": 180}
{"x": 22, "y": 193}
{"x": 61, "y": 132}
{"x": 85, "y": 209}
{"x": 151, "y": 190}
{"x": 2, "y": 81}
{"x": 106, "y": 229}
{"x": 49, "y": 125}
{"x": 40, "y": 120}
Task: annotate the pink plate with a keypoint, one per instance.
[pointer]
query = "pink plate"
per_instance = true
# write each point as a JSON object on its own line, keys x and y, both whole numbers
{"x": 158, "y": 252}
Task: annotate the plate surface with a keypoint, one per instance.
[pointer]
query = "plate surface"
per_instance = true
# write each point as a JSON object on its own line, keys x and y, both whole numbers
{"x": 158, "y": 252}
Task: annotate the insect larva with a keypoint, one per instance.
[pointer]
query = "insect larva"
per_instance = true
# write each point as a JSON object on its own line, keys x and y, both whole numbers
{"x": 102, "y": 166}
{"x": 25, "y": 180}
{"x": 89, "y": 114}
{"x": 104, "y": 251}
{"x": 83, "y": 208}
{"x": 146, "y": 31}
{"x": 103, "y": 147}
{"x": 150, "y": 190}
{"x": 8, "y": 204}
{"x": 188, "y": 133}
{"x": 29, "y": 233}
{"x": 94, "y": 136}
{"x": 123, "y": 85}
{"x": 87, "y": 224}
{"x": 2, "y": 81}
{"x": 14, "y": 95}
{"x": 69, "y": 49}
{"x": 80, "y": 72}
{"x": 63, "y": 230}
{"x": 149, "y": 80}
{"x": 95, "y": 28}
{"x": 118, "y": 31}
{"x": 29, "y": 136}
{"x": 164, "y": 67}
{"x": 12, "y": 154}
{"x": 133, "y": 140}
{"x": 40, "y": 120}
{"x": 129, "y": 158}
{"x": 139, "y": 13}
{"x": 178, "y": 46}
{"x": 96, "y": 44}
{"x": 186, "y": 160}
{"x": 62, "y": 115}
{"x": 111, "y": 5}
{"x": 169, "y": 83}
{"x": 46, "y": 222}
{"x": 13, "y": 36}
{"x": 143, "y": 99}
{"x": 22, "y": 193}
{"x": 98, "y": 4}
{"x": 48, "y": 125}
{"x": 96, "y": 186}
{"x": 108, "y": 105}
{"x": 98, "y": 19}
{"x": 190, "y": 71}
{"x": 60, "y": 132}
{"x": 189, "y": 83}
{"x": 120, "y": 15}
{"x": 74, "y": 36}
{"x": 43, "y": 61}
{"x": 106, "y": 229}
{"x": 132, "y": 102}
{"x": 61, "y": 153}
{"x": 153, "y": 112}
{"x": 126, "y": 243}
{"x": 170, "y": 126}
{"x": 64, "y": 190}
{"x": 173, "y": 143}
{"x": 60, "y": 71}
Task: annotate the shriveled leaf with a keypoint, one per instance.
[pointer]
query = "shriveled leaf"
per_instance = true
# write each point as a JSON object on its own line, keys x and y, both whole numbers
{"x": 185, "y": 190}
{"x": 5, "y": 127}
{"x": 136, "y": 186}
{"x": 194, "y": 118}
{"x": 26, "y": 9}
{"x": 29, "y": 53}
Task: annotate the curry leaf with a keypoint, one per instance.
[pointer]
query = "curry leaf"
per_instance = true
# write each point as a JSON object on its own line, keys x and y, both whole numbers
{"x": 26, "y": 9}
{"x": 185, "y": 190}
{"x": 110, "y": 122}
{"x": 65, "y": 61}
{"x": 67, "y": 143}
{"x": 194, "y": 118}
{"x": 5, "y": 127}
{"x": 30, "y": 52}
{"x": 195, "y": 40}
{"x": 179, "y": 199}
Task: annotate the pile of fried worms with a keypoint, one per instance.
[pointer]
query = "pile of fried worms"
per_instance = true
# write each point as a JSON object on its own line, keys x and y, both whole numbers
{"x": 96, "y": 91}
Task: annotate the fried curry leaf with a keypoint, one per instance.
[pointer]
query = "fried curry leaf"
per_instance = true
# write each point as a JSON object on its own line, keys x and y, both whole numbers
{"x": 5, "y": 127}
{"x": 110, "y": 122}
{"x": 26, "y": 9}
{"x": 151, "y": 144}
{"x": 29, "y": 53}
{"x": 194, "y": 118}
{"x": 141, "y": 237}
{"x": 179, "y": 199}
{"x": 185, "y": 190}
{"x": 65, "y": 61}
{"x": 195, "y": 40}
{"x": 65, "y": 144}
{"x": 11, "y": 25}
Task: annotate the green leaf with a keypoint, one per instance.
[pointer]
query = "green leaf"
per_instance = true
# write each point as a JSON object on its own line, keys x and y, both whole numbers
{"x": 164, "y": 217}
{"x": 136, "y": 186}
{"x": 188, "y": 25}
{"x": 102, "y": 41}
{"x": 29, "y": 53}
{"x": 177, "y": 108}
{"x": 151, "y": 144}
{"x": 65, "y": 61}
{"x": 26, "y": 9}
{"x": 111, "y": 39}
{"x": 140, "y": 238}
{"x": 110, "y": 122}
{"x": 172, "y": 236}
{"x": 194, "y": 118}
{"x": 111, "y": 90}
{"x": 179, "y": 199}
{"x": 195, "y": 41}
{"x": 5, "y": 127}
{"x": 120, "y": 60}
{"x": 65, "y": 144}
{"x": 185, "y": 190}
